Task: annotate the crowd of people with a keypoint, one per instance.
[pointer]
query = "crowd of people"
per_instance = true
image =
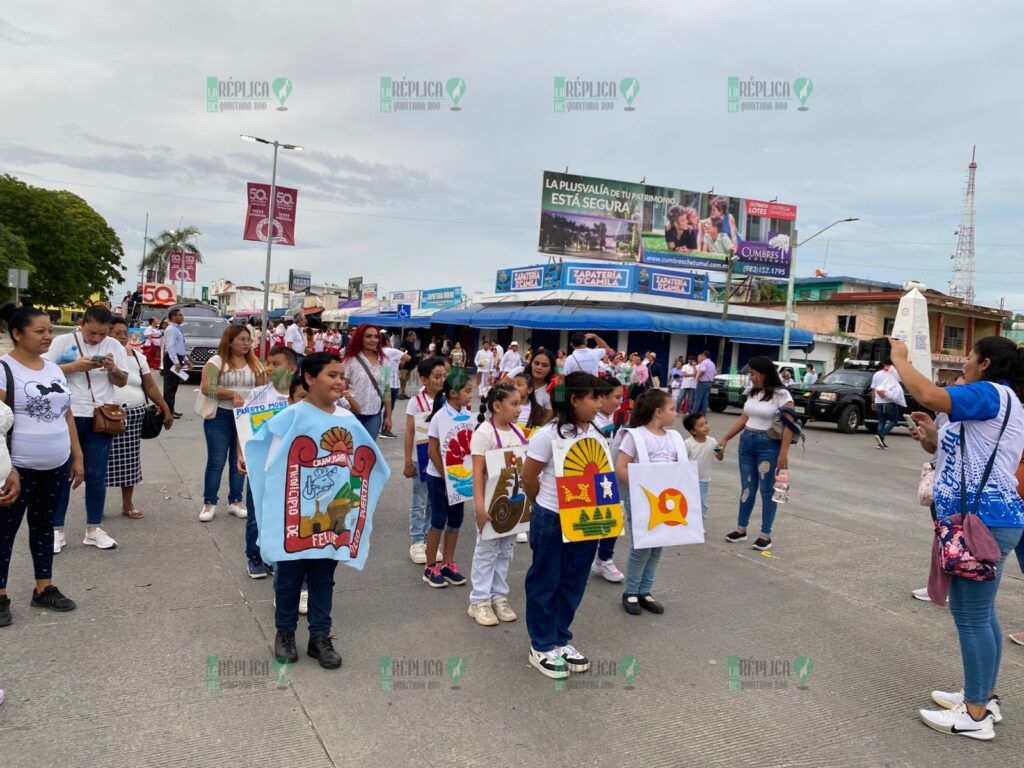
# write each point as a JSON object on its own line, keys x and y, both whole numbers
{"x": 75, "y": 407}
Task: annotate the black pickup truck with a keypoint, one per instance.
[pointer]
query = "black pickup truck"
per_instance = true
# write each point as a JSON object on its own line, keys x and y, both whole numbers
{"x": 844, "y": 397}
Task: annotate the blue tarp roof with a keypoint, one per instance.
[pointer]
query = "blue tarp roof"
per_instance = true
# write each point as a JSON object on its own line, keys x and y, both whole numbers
{"x": 391, "y": 320}
{"x": 618, "y": 319}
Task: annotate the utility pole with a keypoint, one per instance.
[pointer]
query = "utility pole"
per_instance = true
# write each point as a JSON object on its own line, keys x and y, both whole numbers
{"x": 725, "y": 312}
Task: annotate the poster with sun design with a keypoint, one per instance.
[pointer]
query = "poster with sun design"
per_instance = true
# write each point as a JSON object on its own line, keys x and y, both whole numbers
{"x": 664, "y": 499}
{"x": 588, "y": 493}
{"x": 455, "y": 430}
{"x": 315, "y": 478}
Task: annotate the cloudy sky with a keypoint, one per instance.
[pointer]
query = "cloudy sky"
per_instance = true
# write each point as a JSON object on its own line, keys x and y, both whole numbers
{"x": 107, "y": 99}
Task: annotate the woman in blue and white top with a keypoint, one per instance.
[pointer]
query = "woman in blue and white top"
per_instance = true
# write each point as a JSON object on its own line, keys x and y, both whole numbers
{"x": 986, "y": 411}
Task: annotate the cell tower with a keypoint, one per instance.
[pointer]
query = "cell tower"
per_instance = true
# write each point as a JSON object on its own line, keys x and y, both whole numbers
{"x": 962, "y": 284}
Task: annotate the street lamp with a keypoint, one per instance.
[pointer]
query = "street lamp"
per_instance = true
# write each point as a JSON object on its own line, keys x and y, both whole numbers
{"x": 270, "y": 233}
{"x": 787, "y": 322}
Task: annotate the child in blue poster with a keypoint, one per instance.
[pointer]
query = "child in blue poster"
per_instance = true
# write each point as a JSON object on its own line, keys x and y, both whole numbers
{"x": 316, "y": 476}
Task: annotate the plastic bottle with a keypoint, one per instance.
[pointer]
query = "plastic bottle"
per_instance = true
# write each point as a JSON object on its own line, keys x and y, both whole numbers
{"x": 781, "y": 494}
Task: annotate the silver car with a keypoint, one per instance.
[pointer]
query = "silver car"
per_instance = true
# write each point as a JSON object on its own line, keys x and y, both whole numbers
{"x": 202, "y": 337}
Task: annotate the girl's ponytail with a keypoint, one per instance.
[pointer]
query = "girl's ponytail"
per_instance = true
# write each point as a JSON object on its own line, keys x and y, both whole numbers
{"x": 453, "y": 382}
{"x": 647, "y": 405}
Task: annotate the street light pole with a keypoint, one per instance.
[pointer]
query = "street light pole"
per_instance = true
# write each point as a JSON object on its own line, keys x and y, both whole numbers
{"x": 787, "y": 323}
{"x": 264, "y": 334}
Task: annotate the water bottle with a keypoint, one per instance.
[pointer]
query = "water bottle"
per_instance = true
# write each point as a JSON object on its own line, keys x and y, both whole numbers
{"x": 781, "y": 494}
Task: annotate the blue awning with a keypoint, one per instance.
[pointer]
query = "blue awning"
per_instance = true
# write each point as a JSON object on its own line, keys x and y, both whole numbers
{"x": 391, "y": 320}
{"x": 591, "y": 318}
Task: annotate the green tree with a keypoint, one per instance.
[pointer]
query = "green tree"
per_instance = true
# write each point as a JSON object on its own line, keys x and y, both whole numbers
{"x": 164, "y": 244}
{"x": 71, "y": 249}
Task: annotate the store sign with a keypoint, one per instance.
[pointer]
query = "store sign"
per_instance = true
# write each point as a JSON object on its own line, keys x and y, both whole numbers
{"x": 528, "y": 279}
{"x": 672, "y": 283}
{"x": 598, "y": 278}
{"x": 412, "y": 298}
{"x": 368, "y": 291}
{"x": 441, "y": 298}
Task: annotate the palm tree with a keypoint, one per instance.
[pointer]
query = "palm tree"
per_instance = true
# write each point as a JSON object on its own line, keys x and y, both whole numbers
{"x": 167, "y": 242}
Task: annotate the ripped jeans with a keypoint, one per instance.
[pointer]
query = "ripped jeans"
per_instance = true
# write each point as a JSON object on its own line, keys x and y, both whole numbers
{"x": 758, "y": 456}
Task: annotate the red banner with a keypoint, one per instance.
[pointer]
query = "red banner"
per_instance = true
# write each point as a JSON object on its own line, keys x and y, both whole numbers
{"x": 257, "y": 214}
{"x": 158, "y": 293}
{"x": 771, "y": 210}
{"x": 181, "y": 266}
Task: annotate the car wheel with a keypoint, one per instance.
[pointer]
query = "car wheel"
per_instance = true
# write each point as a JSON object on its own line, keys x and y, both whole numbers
{"x": 849, "y": 420}
{"x": 717, "y": 407}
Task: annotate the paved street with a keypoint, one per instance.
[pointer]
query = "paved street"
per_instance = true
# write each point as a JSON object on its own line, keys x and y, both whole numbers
{"x": 125, "y": 679}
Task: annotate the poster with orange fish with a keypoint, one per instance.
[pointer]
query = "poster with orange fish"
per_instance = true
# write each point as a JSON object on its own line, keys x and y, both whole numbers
{"x": 664, "y": 499}
{"x": 588, "y": 493}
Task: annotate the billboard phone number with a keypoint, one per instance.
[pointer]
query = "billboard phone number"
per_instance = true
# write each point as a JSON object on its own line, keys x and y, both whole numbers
{"x": 764, "y": 270}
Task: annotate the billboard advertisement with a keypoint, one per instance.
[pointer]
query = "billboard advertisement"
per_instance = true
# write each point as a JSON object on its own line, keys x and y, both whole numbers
{"x": 181, "y": 266}
{"x": 368, "y": 291}
{"x": 412, "y": 298}
{"x": 299, "y": 280}
{"x": 622, "y": 278}
{"x": 355, "y": 286}
{"x": 257, "y": 215}
{"x": 626, "y": 222}
{"x": 441, "y": 298}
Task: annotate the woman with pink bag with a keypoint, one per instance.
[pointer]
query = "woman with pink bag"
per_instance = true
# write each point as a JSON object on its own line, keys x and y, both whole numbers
{"x": 979, "y": 450}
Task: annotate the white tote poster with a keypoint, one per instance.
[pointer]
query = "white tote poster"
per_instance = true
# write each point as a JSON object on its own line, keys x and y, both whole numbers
{"x": 456, "y": 431}
{"x": 504, "y": 496}
{"x": 248, "y": 421}
{"x": 665, "y": 500}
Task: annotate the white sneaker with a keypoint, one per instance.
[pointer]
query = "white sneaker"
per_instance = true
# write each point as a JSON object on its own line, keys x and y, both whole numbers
{"x": 483, "y": 614}
{"x": 304, "y": 602}
{"x": 551, "y": 664}
{"x": 503, "y": 610}
{"x": 921, "y": 594}
{"x": 608, "y": 570}
{"x": 238, "y": 510}
{"x": 574, "y": 660}
{"x": 418, "y": 552}
{"x": 522, "y": 538}
{"x": 957, "y": 721}
{"x": 59, "y": 542}
{"x": 98, "y": 538}
{"x": 207, "y": 513}
{"x": 953, "y": 699}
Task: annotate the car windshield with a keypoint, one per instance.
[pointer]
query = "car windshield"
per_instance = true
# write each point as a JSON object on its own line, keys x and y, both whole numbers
{"x": 849, "y": 378}
{"x": 209, "y": 329}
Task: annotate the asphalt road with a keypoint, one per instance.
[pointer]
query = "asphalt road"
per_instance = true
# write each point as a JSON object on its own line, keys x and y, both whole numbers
{"x": 167, "y": 661}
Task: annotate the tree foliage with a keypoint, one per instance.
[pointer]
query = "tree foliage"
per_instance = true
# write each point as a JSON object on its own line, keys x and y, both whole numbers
{"x": 71, "y": 250}
{"x": 167, "y": 242}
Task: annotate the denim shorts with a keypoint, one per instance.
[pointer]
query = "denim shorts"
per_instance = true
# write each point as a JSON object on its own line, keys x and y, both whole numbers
{"x": 442, "y": 514}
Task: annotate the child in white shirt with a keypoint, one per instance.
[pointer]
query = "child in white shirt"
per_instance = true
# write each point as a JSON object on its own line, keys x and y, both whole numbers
{"x": 701, "y": 447}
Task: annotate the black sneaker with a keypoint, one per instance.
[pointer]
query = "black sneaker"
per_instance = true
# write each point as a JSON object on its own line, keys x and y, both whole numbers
{"x": 631, "y": 603}
{"x": 322, "y": 649}
{"x": 387, "y": 433}
{"x": 5, "y": 611}
{"x": 284, "y": 647}
{"x": 735, "y": 536}
{"x": 451, "y": 575}
{"x": 650, "y": 604}
{"x": 52, "y": 598}
{"x": 761, "y": 544}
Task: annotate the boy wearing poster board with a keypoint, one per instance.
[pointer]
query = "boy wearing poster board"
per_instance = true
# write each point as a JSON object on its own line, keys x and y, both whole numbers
{"x": 432, "y": 373}
{"x": 261, "y": 403}
{"x": 557, "y": 577}
{"x": 488, "y": 600}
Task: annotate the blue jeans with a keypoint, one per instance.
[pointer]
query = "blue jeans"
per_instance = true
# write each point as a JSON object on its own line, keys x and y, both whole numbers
{"x": 418, "y": 518}
{"x": 96, "y": 453}
{"x": 489, "y": 574}
{"x": 606, "y": 548}
{"x": 700, "y": 398}
{"x": 442, "y": 514}
{"x": 252, "y": 530}
{"x": 704, "y": 486}
{"x": 289, "y": 575}
{"x": 643, "y": 563}
{"x": 221, "y": 448}
{"x": 555, "y": 581}
{"x": 973, "y": 606}
{"x": 758, "y": 457}
{"x": 685, "y": 400}
{"x": 372, "y": 423}
{"x": 888, "y": 418}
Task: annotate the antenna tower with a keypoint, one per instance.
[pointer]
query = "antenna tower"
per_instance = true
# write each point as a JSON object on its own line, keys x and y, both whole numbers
{"x": 962, "y": 284}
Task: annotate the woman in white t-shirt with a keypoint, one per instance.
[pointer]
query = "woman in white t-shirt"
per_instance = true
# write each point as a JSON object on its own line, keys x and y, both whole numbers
{"x": 228, "y": 377}
{"x": 44, "y": 452}
{"x": 762, "y": 452}
{"x": 124, "y": 468}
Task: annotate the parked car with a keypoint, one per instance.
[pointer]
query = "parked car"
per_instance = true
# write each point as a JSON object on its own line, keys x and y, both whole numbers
{"x": 188, "y": 309}
{"x": 843, "y": 397}
{"x": 727, "y": 389}
{"x": 202, "y": 337}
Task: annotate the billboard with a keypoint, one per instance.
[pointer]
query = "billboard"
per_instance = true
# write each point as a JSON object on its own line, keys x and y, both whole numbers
{"x": 299, "y": 280}
{"x": 159, "y": 294}
{"x": 441, "y": 298}
{"x": 368, "y": 292}
{"x": 643, "y": 224}
{"x": 257, "y": 215}
{"x": 181, "y": 266}
{"x": 412, "y": 298}
{"x": 621, "y": 278}
{"x": 355, "y": 286}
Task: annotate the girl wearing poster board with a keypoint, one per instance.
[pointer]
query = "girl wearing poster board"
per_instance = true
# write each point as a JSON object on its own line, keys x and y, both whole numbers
{"x": 557, "y": 578}
{"x": 651, "y": 421}
{"x": 488, "y": 600}
{"x": 445, "y": 518}
{"x": 432, "y": 373}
